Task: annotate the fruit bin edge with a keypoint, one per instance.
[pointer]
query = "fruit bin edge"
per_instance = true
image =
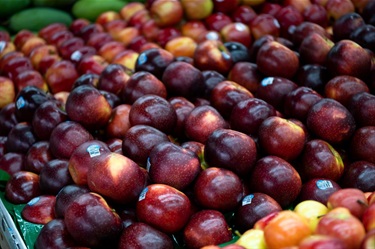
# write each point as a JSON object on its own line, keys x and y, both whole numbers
{"x": 9, "y": 235}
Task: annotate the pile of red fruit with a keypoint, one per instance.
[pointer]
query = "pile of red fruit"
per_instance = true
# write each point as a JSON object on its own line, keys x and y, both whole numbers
{"x": 185, "y": 123}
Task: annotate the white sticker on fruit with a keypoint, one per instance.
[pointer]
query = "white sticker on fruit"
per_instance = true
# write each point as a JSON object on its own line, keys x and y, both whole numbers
{"x": 247, "y": 199}
{"x": 93, "y": 150}
{"x": 324, "y": 184}
{"x": 76, "y": 55}
{"x": 267, "y": 81}
{"x": 20, "y": 102}
{"x": 2, "y": 45}
{"x": 33, "y": 201}
{"x": 143, "y": 194}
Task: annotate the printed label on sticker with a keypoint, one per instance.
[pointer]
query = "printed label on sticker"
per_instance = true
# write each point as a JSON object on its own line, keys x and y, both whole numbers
{"x": 20, "y": 102}
{"x": 324, "y": 184}
{"x": 93, "y": 150}
{"x": 247, "y": 199}
{"x": 33, "y": 201}
{"x": 143, "y": 194}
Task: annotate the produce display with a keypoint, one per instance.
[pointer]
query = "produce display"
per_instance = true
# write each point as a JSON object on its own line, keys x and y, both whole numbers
{"x": 189, "y": 123}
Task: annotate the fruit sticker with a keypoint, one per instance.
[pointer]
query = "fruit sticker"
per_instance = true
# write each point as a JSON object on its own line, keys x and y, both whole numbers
{"x": 20, "y": 102}
{"x": 93, "y": 150}
{"x": 247, "y": 199}
{"x": 143, "y": 194}
{"x": 33, "y": 201}
{"x": 324, "y": 184}
{"x": 2, "y": 45}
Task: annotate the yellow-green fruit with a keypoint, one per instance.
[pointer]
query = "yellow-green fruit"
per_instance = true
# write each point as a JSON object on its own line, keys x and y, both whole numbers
{"x": 91, "y": 9}
{"x": 9, "y": 7}
{"x": 36, "y": 18}
{"x": 53, "y": 3}
{"x": 252, "y": 238}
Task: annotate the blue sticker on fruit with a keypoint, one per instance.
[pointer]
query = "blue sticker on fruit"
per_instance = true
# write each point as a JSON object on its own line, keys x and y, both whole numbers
{"x": 20, "y": 102}
{"x": 324, "y": 184}
{"x": 33, "y": 201}
{"x": 2, "y": 46}
{"x": 148, "y": 165}
{"x": 93, "y": 150}
{"x": 142, "y": 58}
{"x": 143, "y": 194}
{"x": 247, "y": 199}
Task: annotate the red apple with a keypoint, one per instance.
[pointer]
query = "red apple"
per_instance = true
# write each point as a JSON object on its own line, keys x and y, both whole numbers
{"x": 54, "y": 176}
{"x": 281, "y": 137}
{"x": 213, "y": 55}
{"x": 219, "y": 189}
{"x": 318, "y": 189}
{"x": 37, "y": 156}
{"x": 60, "y": 76}
{"x": 12, "y": 162}
{"x": 275, "y": 59}
{"x": 173, "y": 165}
{"x": 337, "y": 8}
{"x": 274, "y": 90}
{"x": 39, "y": 210}
{"x": 8, "y": 118}
{"x": 166, "y": 13}
{"x": 130, "y": 9}
{"x": 320, "y": 160}
{"x": 343, "y": 87}
{"x": 351, "y": 198}
{"x": 324, "y": 241}
{"x": 347, "y": 57}
{"x": 22, "y": 187}
{"x": 91, "y": 221}
{"x": 202, "y": 121}
{"x": 183, "y": 79}
{"x": 66, "y": 137}
{"x": 206, "y": 227}
{"x": 164, "y": 208}
{"x": 20, "y": 138}
{"x": 360, "y": 175}
{"x": 193, "y": 29}
{"x": 139, "y": 141}
{"x": 30, "y": 78}
{"x": 341, "y": 224}
{"x": 314, "y": 49}
{"x": 362, "y": 143}
{"x": 116, "y": 178}
{"x": 264, "y": 24}
{"x": 142, "y": 235}
{"x": 237, "y": 32}
{"x": 126, "y": 58}
{"x": 321, "y": 121}
{"x": 359, "y": 107}
{"x": 119, "y": 122}
{"x": 87, "y": 106}
{"x": 55, "y": 235}
{"x": 231, "y": 150}
{"x": 83, "y": 157}
{"x": 277, "y": 178}
{"x": 65, "y": 197}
